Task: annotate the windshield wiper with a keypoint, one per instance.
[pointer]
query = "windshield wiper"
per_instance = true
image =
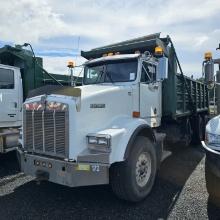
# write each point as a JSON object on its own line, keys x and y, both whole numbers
{"x": 108, "y": 75}
{"x": 100, "y": 75}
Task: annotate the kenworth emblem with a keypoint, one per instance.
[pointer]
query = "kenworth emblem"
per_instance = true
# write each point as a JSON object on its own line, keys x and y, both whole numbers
{"x": 97, "y": 105}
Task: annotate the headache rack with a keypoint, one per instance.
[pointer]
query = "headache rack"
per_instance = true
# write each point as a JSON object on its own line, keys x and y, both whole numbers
{"x": 142, "y": 44}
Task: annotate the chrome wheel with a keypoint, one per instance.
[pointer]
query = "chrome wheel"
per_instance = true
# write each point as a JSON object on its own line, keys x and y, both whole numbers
{"x": 143, "y": 169}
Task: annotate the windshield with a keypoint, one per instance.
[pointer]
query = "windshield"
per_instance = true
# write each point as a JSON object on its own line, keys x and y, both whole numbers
{"x": 6, "y": 79}
{"x": 110, "y": 71}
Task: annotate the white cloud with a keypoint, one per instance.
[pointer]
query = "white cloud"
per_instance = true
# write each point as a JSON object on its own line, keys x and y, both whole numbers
{"x": 193, "y": 25}
{"x": 29, "y": 20}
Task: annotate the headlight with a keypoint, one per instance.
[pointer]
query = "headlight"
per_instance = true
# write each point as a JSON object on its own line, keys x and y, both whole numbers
{"x": 101, "y": 142}
{"x": 212, "y": 139}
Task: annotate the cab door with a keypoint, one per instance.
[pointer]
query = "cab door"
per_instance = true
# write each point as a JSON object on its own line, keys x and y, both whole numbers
{"x": 10, "y": 96}
{"x": 150, "y": 94}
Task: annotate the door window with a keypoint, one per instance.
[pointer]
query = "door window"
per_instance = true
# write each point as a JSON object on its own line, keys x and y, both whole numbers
{"x": 6, "y": 79}
{"x": 148, "y": 73}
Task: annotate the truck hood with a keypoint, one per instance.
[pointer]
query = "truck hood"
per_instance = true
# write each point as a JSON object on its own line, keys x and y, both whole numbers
{"x": 89, "y": 91}
{"x": 100, "y": 104}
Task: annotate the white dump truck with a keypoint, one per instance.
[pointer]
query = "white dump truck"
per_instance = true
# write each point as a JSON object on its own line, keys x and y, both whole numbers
{"x": 11, "y": 100}
{"x": 114, "y": 128}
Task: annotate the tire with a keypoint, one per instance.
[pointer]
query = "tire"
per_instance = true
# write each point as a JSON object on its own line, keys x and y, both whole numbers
{"x": 18, "y": 157}
{"x": 212, "y": 185}
{"x": 133, "y": 179}
{"x": 198, "y": 134}
{"x": 188, "y": 133}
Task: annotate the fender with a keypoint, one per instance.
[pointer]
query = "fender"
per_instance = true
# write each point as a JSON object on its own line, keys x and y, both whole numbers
{"x": 123, "y": 132}
{"x": 143, "y": 130}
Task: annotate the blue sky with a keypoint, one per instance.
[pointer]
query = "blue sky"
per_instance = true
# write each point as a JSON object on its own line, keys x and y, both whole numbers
{"x": 58, "y": 30}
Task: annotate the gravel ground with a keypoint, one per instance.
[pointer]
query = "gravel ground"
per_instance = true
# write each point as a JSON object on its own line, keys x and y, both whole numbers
{"x": 179, "y": 193}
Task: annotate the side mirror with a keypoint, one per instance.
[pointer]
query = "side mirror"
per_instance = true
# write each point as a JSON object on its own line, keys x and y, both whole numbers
{"x": 162, "y": 69}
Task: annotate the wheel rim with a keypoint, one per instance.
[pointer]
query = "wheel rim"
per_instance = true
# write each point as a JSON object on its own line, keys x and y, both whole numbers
{"x": 143, "y": 169}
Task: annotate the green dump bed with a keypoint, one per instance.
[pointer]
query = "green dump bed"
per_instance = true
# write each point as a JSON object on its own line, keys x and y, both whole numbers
{"x": 176, "y": 100}
{"x": 181, "y": 95}
{"x": 32, "y": 72}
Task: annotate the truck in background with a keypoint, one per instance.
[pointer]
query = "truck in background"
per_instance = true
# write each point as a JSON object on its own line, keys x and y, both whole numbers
{"x": 20, "y": 72}
{"x": 116, "y": 128}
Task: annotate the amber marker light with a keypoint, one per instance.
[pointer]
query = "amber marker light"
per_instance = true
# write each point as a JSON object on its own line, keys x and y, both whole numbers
{"x": 208, "y": 55}
{"x": 158, "y": 50}
{"x": 136, "y": 114}
{"x": 71, "y": 64}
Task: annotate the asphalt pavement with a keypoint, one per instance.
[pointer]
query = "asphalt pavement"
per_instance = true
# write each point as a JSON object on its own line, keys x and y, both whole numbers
{"x": 179, "y": 193}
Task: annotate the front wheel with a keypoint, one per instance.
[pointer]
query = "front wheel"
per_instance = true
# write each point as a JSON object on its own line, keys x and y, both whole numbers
{"x": 133, "y": 179}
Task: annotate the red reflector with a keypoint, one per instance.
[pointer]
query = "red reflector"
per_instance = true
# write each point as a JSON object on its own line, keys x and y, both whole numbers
{"x": 136, "y": 114}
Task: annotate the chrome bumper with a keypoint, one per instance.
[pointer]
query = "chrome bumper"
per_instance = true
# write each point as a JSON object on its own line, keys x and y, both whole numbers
{"x": 209, "y": 149}
{"x": 70, "y": 174}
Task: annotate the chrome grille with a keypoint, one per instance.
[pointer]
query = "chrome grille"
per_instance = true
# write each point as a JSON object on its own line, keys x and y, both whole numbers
{"x": 46, "y": 132}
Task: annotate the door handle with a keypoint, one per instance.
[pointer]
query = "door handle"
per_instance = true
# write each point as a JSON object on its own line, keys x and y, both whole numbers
{"x": 156, "y": 86}
{"x": 15, "y": 104}
{"x": 153, "y": 86}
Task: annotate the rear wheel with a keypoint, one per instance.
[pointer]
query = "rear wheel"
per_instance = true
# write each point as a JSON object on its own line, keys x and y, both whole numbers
{"x": 188, "y": 132}
{"x": 133, "y": 179}
{"x": 18, "y": 157}
{"x": 198, "y": 130}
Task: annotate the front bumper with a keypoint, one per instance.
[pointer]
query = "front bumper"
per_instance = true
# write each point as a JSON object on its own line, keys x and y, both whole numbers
{"x": 9, "y": 140}
{"x": 212, "y": 159}
{"x": 70, "y": 174}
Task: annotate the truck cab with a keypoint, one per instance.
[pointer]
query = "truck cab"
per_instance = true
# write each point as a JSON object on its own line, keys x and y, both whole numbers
{"x": 137, "y": 76}
{"x": 11, "y": 99}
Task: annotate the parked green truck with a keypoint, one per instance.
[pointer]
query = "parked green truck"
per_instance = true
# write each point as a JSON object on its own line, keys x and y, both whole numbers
{"x": 20, "y": 72}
